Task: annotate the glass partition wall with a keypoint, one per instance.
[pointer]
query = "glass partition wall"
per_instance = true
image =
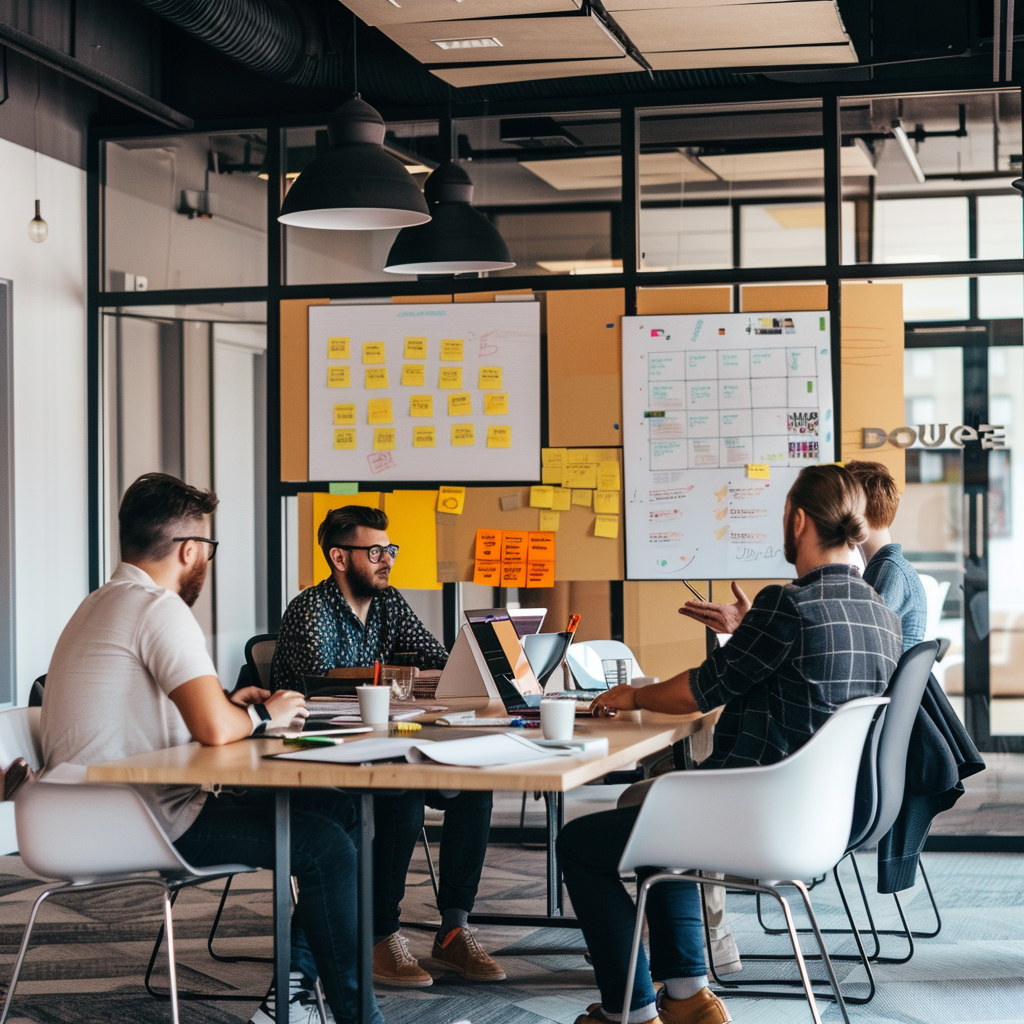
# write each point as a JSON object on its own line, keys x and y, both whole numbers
{"x": 796, "y": 184}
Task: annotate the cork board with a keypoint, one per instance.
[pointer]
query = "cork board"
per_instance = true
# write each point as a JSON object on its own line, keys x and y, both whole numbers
{"x": 579, "y": 555}
{"x": 666, "y": 301}
{"x": 295, "y": 387}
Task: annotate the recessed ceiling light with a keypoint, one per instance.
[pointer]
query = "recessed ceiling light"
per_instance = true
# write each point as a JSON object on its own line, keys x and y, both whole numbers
{"x": 477, "y": 43}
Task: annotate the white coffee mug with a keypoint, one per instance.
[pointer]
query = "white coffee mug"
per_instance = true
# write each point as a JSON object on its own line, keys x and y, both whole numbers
{"x": 374, "y": 704}
{"x": 557, "y": 719}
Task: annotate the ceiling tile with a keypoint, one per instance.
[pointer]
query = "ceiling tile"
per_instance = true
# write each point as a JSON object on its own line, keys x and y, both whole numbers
{"x": 494, "y": 74}
{"x": 784, "y": 23}
{"x": 788, "y": 164}
{"x": 398, "y": 12}
{"x": 606, "y": 171}
{"x": 662, "y": 5}
{"x": 762, "y": 56}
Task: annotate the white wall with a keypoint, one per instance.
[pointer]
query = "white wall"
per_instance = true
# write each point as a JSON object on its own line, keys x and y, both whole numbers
{"x": 50, "y": 456}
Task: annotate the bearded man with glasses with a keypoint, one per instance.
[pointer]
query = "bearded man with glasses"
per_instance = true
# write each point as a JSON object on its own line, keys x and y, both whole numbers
{"x": 354, "y": 618}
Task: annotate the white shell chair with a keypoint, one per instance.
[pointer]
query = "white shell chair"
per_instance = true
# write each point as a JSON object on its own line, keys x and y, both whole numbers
{"x": 779, "y": 823}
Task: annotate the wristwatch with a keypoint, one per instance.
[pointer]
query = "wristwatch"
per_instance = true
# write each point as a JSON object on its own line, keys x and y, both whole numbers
{"x": 260, "y": 717}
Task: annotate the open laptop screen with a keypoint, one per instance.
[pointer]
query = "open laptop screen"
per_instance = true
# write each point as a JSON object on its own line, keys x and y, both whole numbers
{"x": 506, "y": 660}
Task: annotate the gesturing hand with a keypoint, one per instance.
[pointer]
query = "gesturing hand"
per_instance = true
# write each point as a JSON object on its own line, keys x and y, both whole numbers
{"x": 722, "y": 618}
{"x": 618, "y": 698}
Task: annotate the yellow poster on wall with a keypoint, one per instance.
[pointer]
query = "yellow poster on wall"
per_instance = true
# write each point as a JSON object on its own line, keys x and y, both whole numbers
{"x": 413, "y": 527}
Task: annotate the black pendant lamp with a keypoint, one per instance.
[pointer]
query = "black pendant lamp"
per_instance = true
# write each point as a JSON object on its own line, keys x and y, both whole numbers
{"x": 356, "y": 185}
{"x": 457, "y": 240}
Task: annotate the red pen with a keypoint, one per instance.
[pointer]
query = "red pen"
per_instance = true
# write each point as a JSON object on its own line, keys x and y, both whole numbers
{"x": 376, "y": 673}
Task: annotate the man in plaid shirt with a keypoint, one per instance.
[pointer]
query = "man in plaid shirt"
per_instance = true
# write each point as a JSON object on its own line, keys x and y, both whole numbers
{"x": 797, "y": 653}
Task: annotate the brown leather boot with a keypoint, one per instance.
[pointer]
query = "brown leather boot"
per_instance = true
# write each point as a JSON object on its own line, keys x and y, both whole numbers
{"x": 595, "y": 1016}
{"x": 460, "y": 952}
{"x": 393, "y": 964}
{"x": 703, "y": 1008}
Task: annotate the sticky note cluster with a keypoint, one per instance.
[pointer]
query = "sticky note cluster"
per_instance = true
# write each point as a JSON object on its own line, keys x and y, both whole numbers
{"x": 579, "y": 477}
{"x": 514, "y": 558}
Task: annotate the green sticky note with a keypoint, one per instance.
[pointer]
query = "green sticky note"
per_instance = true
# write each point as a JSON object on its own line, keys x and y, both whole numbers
{"x": 345, "y": 488}
{"x": 821, "y": 323}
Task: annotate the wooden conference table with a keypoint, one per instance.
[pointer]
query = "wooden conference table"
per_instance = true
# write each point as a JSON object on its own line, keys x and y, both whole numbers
{"x": 243, "y": 764}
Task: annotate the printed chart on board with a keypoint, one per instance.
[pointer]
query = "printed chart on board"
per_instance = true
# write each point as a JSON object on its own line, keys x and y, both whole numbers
{"x": 434, "y": 392}
{"x": 720, "y": 413}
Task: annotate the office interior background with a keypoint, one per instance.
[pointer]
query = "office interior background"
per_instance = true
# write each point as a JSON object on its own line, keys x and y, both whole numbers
{"x": 876, "y": 143}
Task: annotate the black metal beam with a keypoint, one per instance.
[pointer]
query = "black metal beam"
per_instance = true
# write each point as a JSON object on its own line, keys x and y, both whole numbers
{"x": 275, "y": 258}
{"x": 831, "y": 131}
{"x": 93, "y": 339}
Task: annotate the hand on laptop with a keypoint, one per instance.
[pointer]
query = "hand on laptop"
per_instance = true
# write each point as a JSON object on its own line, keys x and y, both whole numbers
{"x": 722, "y": 618}
{"x": 618, "y": 698}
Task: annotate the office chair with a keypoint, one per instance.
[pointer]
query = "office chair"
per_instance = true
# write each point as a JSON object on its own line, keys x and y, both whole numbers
{"x": 785, "y": 822}
{"x": 259, "y": 653}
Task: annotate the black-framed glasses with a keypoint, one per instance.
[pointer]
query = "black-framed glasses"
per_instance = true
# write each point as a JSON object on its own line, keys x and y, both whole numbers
{"x": 374, "y": 551}
{"x": 205, "y": 540}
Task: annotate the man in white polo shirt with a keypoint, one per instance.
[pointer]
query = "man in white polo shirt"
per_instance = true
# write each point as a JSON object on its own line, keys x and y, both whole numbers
{"x": 131, "y": 674}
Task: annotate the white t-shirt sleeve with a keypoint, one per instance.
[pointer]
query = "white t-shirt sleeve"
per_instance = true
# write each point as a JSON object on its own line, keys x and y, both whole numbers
{"x": 172, "y": 645}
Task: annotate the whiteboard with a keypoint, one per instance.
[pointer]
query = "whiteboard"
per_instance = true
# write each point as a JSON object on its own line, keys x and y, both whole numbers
{"x": 502, "y": 339}
{"x": 703, "y": 397}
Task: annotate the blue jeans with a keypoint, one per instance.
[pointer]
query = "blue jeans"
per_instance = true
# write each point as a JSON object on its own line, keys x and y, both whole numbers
{"x": 239, "y": 827}
{"x": 589, "y": 849}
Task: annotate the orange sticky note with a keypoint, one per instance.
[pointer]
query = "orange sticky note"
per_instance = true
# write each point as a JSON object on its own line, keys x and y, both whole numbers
{"x": 540, "y": 574}
{"x": 487, "y": 574}
{"x": 541, "y": 546}
{"x": 488, "y": 545}
{"x": 513, "y": 574}
{"x": 513, "y": 546}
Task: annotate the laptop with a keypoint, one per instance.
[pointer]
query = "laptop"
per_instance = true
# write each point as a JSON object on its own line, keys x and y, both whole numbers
{"x": 527, "y": 621}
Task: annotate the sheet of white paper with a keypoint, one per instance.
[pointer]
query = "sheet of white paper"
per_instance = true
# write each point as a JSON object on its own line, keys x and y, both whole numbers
{"x": 482, "y": 751}
{"x": 356, "y": 752}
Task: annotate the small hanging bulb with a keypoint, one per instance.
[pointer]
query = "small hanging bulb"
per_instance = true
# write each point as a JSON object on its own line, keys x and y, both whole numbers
{"x": 38, "y": 229}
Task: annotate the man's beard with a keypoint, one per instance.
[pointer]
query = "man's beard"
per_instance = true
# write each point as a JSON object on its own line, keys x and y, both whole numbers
{"x": 367, "y": 583}
{"x": 789, "y": 544}
{"x": 192, "y": 584}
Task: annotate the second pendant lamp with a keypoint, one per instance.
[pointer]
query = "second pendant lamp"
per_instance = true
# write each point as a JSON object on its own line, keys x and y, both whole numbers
{"x": 457, "y": 240}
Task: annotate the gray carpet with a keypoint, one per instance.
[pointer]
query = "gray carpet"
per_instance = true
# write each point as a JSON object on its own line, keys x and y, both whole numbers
{"x": 93, "y": 950}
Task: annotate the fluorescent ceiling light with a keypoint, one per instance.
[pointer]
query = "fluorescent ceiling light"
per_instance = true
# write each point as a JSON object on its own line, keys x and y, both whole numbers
{"x": 908, "y": 151}
{"x": 582, "y": 266}
{"x": 789, "y": 164}
{"x": 417, "y": 168}
{"x": 568, "y": 173}
{"x": 477, "y": 43}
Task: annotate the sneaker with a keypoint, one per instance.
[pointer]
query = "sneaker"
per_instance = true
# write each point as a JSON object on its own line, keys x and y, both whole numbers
{"x": 460, "y": 952}
{"x": 725, "y": 955}
{"x": 393, "y": 964}
{"x": 302, "y": 1008}
{"x": 595, "y": 1015}
{"x": 702, "y": 1008}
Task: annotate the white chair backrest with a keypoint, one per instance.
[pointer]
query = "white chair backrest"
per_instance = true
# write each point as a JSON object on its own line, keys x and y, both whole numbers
{"x": 262, "y": 655}
{"x": 585, "y": 661}
{"x": 81, "y": 831}
{"x": 787, "y": 820}
{"x": 19, "y": 737}
{"x": 935, "y": 596}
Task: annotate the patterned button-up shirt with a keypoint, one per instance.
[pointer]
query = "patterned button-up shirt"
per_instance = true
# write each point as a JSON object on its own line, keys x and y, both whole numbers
{"x": 802, "y": 650}
{"x": 319, "y": 631}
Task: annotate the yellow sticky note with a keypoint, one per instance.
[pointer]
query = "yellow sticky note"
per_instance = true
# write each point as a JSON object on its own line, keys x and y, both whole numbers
{"x": 463, "y": 435}
{"x": 606, "y": 526}
{"x": 606, "y": 501}
{"x": 377, "y": 378}
{"x": 499, "y": 437}
{"x": 496, "y": 404}
{"x": 345, "y": 439}
{"x": 490, "y": 378}
{"x": 759, "y": 471}
{"x": 344, "y": 415}
{"x": 450, "y": 378}
{"x": 460, "y": 404}
{"x": 549, "y": 521}
{"x": 423, "y": 437}
{"x": 414, "y": 375}
{"x": 580, "y": 474}
{"x": 608, "y": 478}
{"x": 421, "y": 405}
{"x": 552, "y": 456}
{"x": 338, "y": 377}
{"x": 378, "y": 410}
{"x": 337, "y": 348}
{"x": 551, "y": 475}
{"x": 383, "y": 439}
{"x": 451, "y": 499}
{"x": 415, "y": 348}
{"x": 451, "y": 350}
{"x": 373, "y": 352}
{"x": 582, "y": 498}
{"x": 584, "y": 455}
{"x": 541, "y": 497}
{"x": 561, "y": 500}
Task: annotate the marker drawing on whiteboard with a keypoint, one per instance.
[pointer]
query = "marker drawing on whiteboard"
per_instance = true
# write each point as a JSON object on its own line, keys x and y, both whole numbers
{"x": 380, "y": 461}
